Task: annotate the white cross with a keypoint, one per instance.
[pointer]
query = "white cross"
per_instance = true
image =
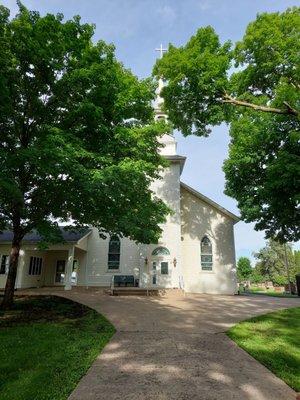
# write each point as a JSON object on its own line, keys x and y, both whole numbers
{"x": 161, "y": 50}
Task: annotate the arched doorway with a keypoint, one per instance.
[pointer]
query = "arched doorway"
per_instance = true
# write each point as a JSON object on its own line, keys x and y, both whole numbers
{"x": 160, "y": 267}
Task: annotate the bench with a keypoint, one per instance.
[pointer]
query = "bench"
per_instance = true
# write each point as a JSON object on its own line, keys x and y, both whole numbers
{"x": 123, "y": 280}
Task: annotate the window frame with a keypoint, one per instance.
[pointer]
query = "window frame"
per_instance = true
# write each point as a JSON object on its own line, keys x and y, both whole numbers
{"x": 35, "y": 266}
{"x": 163, "y": 271}
{"x": 160, "y": 251}
{"x": 5, "y": 264}
{"x": 114, "y": 265}
{"x": 206, "y": 266}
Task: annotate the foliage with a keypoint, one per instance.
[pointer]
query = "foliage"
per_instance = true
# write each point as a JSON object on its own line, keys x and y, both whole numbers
{"x": 77, "y": 135}
{"x": 260, "y": 100}
{"x": 273, "y": 341}
{"x": 48, "y": 347}
{"x": 192, "y": 101}
{"x": 271, "y": 263}
{"x": 244, "y": 269}
{"x": 256, "y": 276}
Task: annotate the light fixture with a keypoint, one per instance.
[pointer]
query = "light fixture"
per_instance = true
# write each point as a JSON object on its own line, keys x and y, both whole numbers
{"x": 174, "y": 262}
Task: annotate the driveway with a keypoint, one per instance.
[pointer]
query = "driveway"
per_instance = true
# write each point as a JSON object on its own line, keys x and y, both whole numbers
{"x": 174, "y": 347}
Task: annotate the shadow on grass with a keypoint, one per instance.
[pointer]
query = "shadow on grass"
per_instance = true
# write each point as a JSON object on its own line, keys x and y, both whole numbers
{"x": 47, "y": 345}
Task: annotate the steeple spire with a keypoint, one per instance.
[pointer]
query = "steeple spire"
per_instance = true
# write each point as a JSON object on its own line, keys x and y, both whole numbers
{"x": 159, "y": 114}
{"x": 161, "y": 50}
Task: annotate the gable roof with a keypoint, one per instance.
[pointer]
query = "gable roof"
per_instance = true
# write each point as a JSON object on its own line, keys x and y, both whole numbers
{"x": 70, "y": 236}
{"x": 210, "y": 202}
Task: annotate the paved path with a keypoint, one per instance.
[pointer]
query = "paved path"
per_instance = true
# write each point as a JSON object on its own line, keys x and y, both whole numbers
{"x": 175, "y": 348}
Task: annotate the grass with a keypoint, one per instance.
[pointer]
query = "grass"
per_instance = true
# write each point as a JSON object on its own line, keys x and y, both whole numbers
{"x": 270, "y": 293}
{"x": 47, "y": 345}
{"x": 274, "y": 340}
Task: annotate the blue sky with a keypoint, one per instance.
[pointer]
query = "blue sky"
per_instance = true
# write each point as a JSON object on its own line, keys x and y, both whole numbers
{"x": 137, "y": 27}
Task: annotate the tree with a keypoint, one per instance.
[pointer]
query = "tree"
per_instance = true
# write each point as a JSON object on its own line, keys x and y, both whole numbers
{"x": 272, "y": 265}
{"x": 78, "y": 140}
{"x": 256, "y": 276}
{"x": 260, "y": 100}
{"x": 244, "y": 269}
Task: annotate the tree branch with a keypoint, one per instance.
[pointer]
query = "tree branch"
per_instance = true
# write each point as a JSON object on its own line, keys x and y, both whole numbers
{"x": 288, "y": 111}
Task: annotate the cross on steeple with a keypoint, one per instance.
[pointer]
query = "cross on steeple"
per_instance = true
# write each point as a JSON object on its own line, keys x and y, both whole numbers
{"x": 161, "y": 50}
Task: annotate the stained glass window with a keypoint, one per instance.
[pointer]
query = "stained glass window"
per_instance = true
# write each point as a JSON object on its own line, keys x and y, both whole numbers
{"x": 206, "y": 254}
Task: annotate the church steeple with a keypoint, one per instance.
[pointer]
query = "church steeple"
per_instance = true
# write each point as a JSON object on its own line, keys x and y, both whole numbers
{"x": 168, "y": 140}
{"x": 159, "y": 114}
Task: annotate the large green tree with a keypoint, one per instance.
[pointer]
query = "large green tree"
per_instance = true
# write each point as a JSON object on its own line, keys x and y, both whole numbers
{"x": 78, "y": 140}
{"x": 254, "y": 86}
{"x": 277, "y": 262}
{"x": 244, "y": 269}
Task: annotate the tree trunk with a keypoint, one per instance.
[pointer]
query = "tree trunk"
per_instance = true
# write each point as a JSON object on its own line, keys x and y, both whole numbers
{"x": 287, "y": 267}
{"x": 12, "y": 272}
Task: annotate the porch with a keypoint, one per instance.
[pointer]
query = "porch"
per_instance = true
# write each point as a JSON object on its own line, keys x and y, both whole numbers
{"x": 61, "y": 265}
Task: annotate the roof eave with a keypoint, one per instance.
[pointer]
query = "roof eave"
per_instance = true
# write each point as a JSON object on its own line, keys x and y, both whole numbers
{"x": 201, "y": 196}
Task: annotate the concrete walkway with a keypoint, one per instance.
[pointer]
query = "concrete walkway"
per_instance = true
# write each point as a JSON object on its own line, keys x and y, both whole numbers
{"x": 174, "y": 347}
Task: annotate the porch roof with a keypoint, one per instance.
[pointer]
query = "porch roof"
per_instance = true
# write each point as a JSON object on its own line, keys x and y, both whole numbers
{"x": 69, "y": 236}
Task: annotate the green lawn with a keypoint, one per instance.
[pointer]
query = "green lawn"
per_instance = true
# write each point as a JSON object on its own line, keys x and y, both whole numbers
{"x": 274, "y": 340}
{"x": 270, "y": 293}
{"x": 47, "y": 345}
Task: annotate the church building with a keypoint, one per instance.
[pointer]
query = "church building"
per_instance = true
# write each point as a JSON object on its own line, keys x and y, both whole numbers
{"x": 195, "y": 252}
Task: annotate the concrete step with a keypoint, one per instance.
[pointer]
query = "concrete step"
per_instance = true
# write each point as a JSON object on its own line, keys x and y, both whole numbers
{"x": 132, "y": 291}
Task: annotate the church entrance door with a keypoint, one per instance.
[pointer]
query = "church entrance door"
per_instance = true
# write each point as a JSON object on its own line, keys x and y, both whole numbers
{"x": 159, "y": 272}
{"x": 160, "y": 267}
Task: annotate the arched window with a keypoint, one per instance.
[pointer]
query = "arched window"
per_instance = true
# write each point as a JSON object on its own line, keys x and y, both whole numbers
{"x": 160, "y": 251}
{"x": 206, "y": 254}
{"x": 114, "y": 253}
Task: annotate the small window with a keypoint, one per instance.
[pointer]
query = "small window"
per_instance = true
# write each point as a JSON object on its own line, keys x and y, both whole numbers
{"x": 4, "y": 264}
{"x": 35, "y": 266}
{"x": 206, "y": 254}
{"x": 114, "y": 253}
{"x": 164, "y": 268}
{"x": 160, "y": 251}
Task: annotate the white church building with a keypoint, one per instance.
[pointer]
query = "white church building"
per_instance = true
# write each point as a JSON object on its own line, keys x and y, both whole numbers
{"x": 195, "y": 252}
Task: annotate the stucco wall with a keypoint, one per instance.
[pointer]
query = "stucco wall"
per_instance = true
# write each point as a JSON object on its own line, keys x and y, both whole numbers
{"x": 168, "y": 189}
{"x": 97, "y": 272}
{"x": 132, "y": 259}
{"x": 198, "y": 219}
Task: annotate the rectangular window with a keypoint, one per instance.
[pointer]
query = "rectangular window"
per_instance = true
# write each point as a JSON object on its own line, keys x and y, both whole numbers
{"x": 164, "y": 268}
{"x": 114, "y": 253}
{"x": 4, "y": 264}
{"x": 206, "y": 266}
{"x": 206, "y": 262}
{"x": 206, "y": 254}
{"x": 113, "y": 261}
{"x": 35, "y": 266}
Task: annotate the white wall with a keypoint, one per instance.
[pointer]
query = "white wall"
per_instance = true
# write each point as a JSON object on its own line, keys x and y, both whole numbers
{"x": 97, "y": 272}
{"x": 199, "y": 219}
{"x": 168, "y": 189}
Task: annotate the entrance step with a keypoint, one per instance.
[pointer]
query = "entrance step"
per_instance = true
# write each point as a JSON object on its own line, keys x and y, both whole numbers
{"x": 134, "y": 291}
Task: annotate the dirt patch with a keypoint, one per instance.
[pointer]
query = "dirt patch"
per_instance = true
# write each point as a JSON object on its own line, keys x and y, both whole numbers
{"x": 29, "y": 309}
